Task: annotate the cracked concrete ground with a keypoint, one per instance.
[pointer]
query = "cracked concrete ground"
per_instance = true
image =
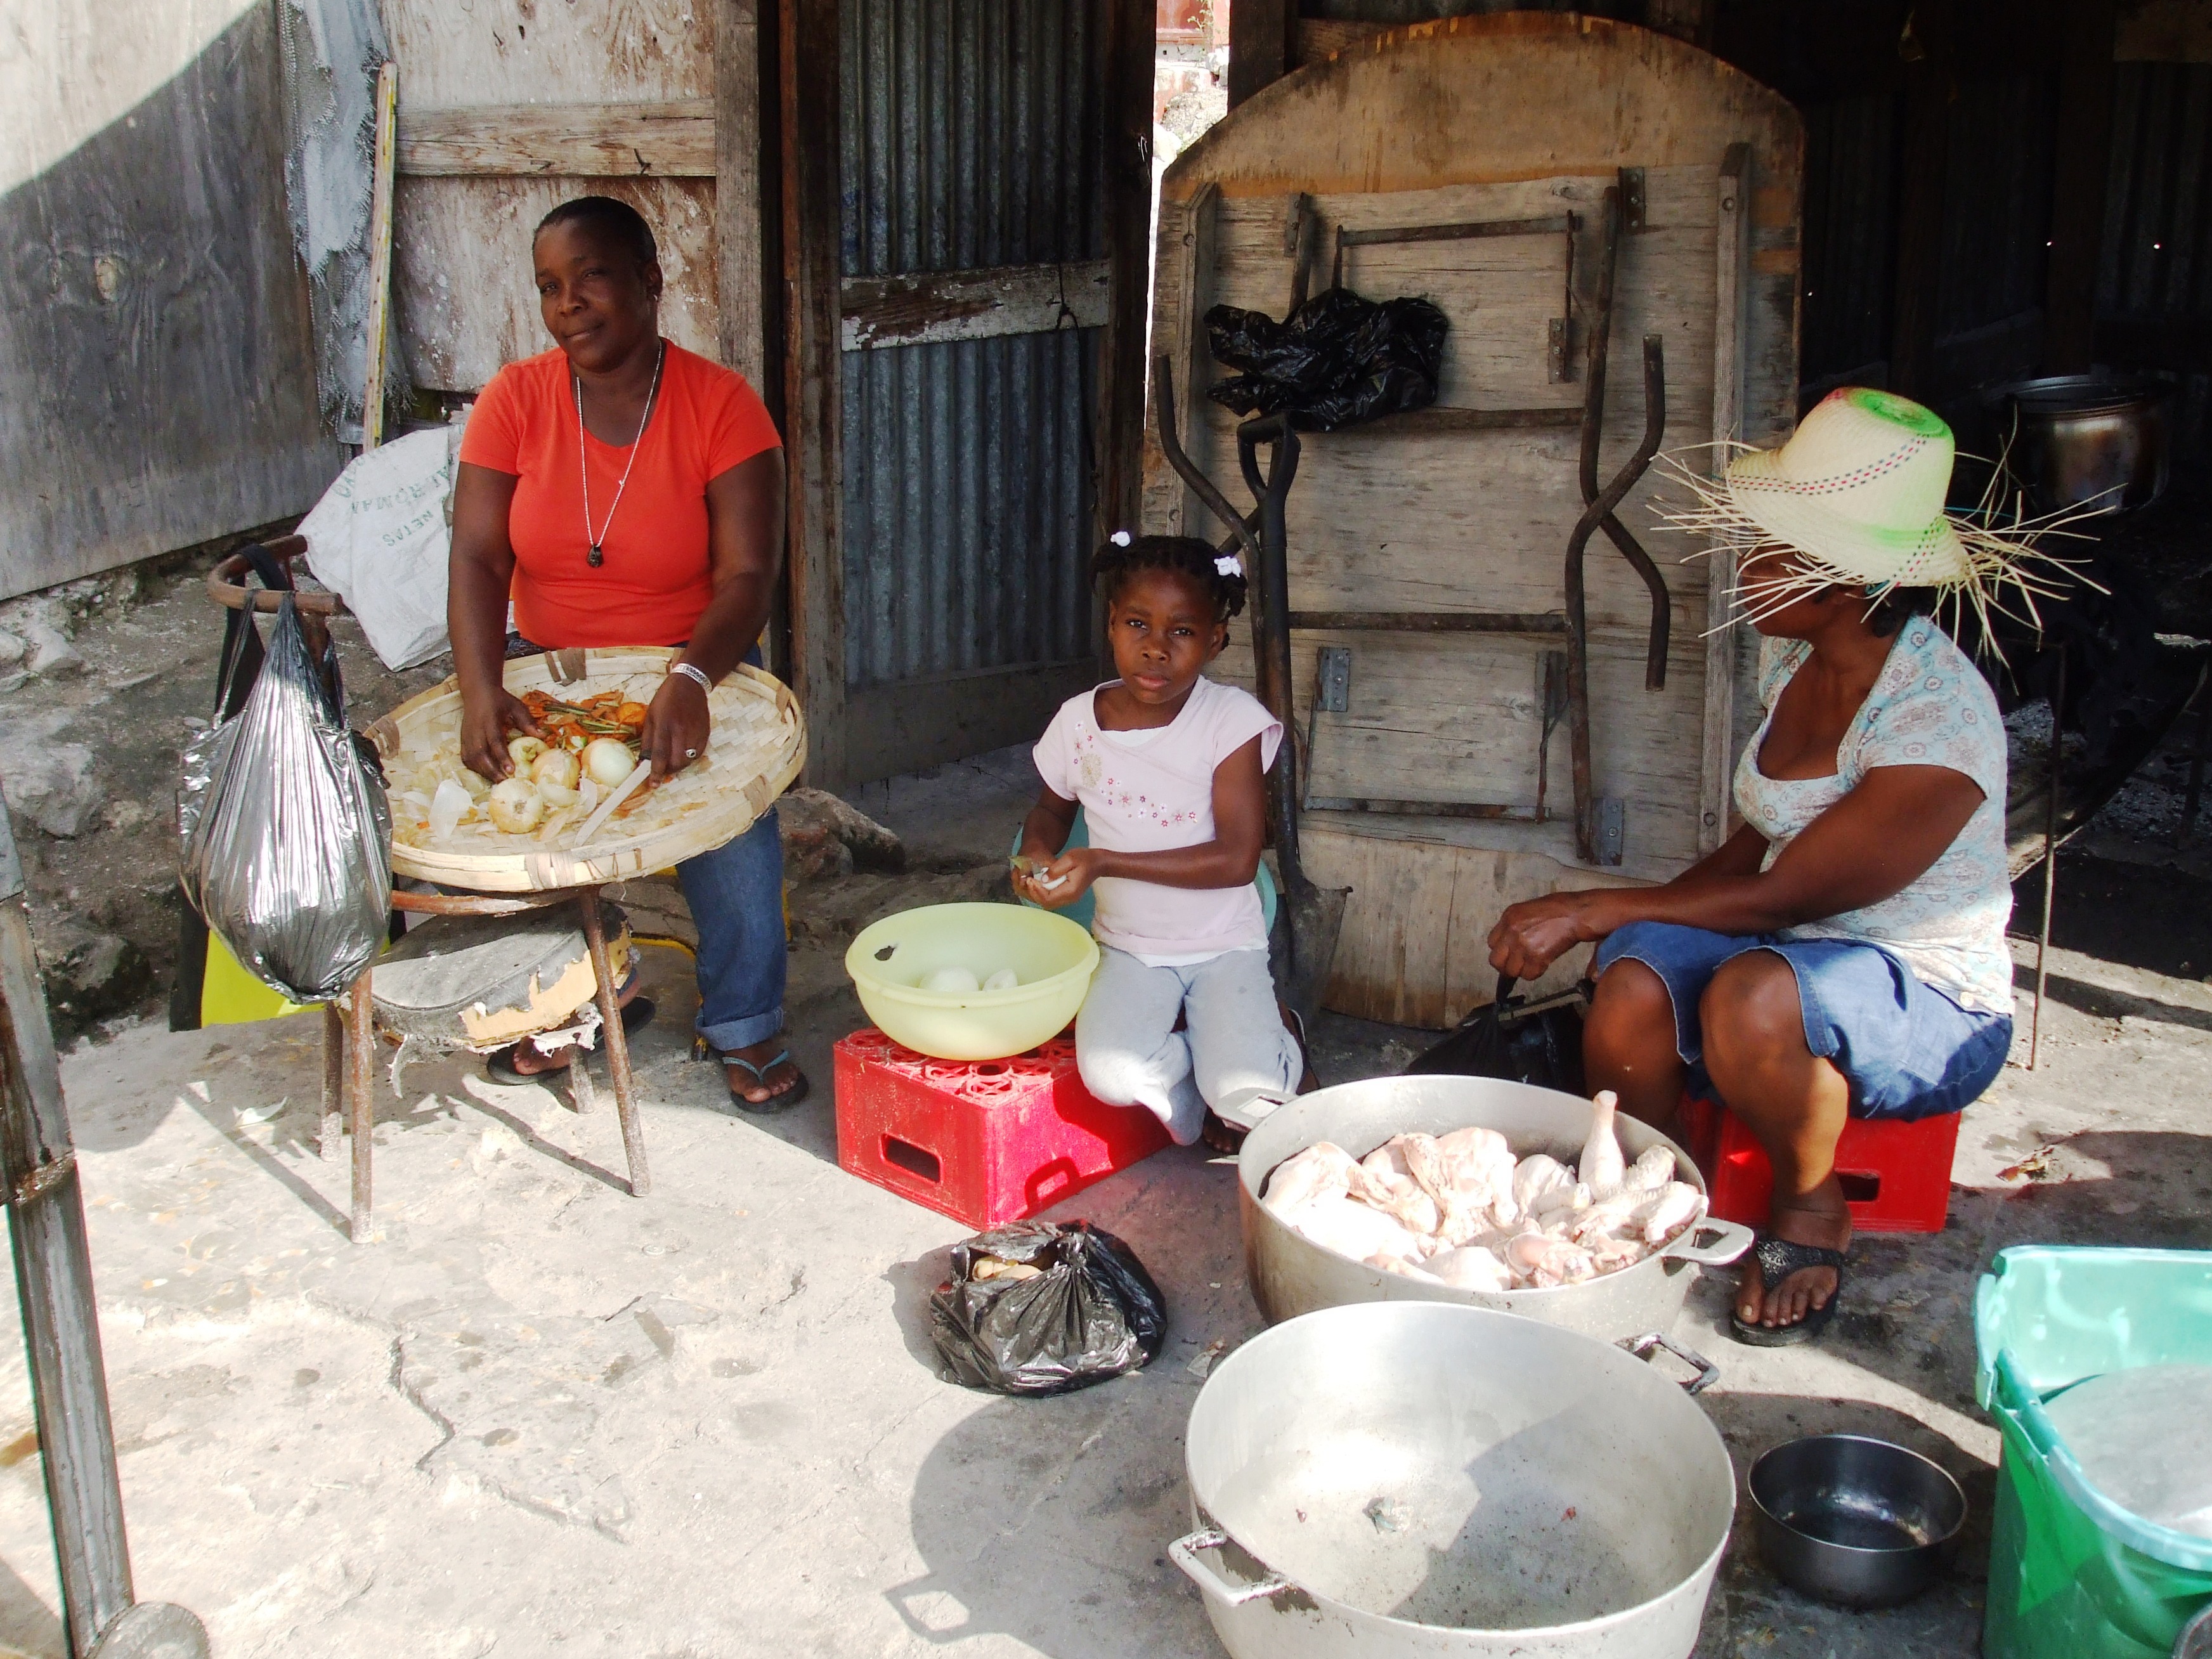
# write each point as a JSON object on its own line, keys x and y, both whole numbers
{"x": 540, "y": 1417}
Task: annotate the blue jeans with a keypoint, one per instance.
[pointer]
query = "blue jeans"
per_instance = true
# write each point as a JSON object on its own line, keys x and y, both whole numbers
{"x": 736, "y": 896}
{"x": 1906, "y": 1049}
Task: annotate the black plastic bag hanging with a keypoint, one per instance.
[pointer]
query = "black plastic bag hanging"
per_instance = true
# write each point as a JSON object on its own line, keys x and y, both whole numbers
{"x": 1041, "y": 1308}
{"x": 1336, "y": 361}
{"x": 284, "y": 833}
{"x": 1541, "y": 1044}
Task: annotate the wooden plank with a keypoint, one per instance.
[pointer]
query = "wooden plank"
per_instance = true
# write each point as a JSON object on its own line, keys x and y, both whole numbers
{"x": 613, "y": 52}
{"x": 2079, "y": 183}
{"x": 807, "y": 58}
{"x": 741, "y": 280}
{"x": 462, "y": 254}
{"x": 379, "y": 350}
{"x": 584, "y": 141}
{"x": 1415, "y": 945}
{"x": 915, "y": 724}
{"x": 2165, "y": 32}
{"x": 1731, "y": 252}
{"x": 1324, "y": 36}
{"x": 1262, "y": 46}
{"x": 974, "y": 305}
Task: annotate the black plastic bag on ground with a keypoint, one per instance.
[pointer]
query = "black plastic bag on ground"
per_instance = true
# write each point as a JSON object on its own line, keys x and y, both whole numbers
{"x": 1336, "y": 361}
{"x": 1039, "y": 1308}
{"x": 1542, "y": 1045}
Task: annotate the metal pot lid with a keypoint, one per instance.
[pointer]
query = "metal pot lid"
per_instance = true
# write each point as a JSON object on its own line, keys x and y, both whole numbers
{"x": 2082, "y": 394}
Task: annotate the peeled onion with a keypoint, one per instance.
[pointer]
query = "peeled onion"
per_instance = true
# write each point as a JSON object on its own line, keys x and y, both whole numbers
{"x": 608, "y": 761}
{"x": 951, "y": 979}
{"x": 554, "y": 771}
{"x": 1004, "y": 980}
{"x": 524, "y": 753}
{"x": 515, "y": 806}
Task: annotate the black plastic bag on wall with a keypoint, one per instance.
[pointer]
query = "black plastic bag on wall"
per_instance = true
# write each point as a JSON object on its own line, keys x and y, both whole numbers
{"x": 1336, "y": 361}
{"x": 1036, "y": 1307}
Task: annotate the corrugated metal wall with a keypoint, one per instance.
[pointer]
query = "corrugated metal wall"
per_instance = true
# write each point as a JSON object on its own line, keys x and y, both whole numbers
{"x": 1997, "y": 202}
{"x": 1851, "y": 202}
{"x": 2158, "y": 225}
{"x": 971, "y": 138}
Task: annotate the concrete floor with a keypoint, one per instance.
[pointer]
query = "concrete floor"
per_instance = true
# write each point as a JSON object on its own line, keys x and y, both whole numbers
{"x": 541, "y": 1417}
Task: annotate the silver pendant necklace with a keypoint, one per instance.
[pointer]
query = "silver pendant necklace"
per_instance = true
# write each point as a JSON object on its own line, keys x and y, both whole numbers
{"x": 598, "y": 556}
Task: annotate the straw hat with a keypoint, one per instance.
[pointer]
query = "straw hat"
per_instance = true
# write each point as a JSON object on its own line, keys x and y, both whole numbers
{"x": 1858, "y": 494}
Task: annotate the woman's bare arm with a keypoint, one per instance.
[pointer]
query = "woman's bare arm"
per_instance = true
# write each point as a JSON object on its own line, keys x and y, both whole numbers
{"x": 479, "y": 571}
{"x": 1870, "y": 846}
{"x": 745, "y": 545}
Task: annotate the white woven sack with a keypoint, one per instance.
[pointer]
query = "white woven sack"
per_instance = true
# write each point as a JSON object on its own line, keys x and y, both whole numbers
{"x": 380, "y": 537}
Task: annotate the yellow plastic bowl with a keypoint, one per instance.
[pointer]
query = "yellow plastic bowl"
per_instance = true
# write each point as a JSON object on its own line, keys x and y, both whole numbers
{"x": 1054, "y": 958}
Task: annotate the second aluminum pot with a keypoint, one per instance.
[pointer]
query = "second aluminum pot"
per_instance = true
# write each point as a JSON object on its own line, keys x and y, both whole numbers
{"x": 1291, "y": 1274}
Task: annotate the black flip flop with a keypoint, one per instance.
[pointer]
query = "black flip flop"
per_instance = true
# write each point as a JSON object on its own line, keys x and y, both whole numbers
{"x": 777, "y": 1103}
{"x": 1777, "y": 1259}
{"x": 499, "y": 1065}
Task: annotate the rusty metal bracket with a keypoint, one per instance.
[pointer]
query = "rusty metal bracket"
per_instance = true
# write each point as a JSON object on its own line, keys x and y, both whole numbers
{"x": 42, "y": 1179}
{"x": 1634, "y": 205}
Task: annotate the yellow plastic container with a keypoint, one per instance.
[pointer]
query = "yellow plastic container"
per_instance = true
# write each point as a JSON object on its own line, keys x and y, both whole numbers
{"x": 1052, "y": 956}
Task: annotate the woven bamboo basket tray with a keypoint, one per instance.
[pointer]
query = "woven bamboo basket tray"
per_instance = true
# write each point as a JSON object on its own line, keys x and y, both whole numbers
{"x": 756, "y": 747}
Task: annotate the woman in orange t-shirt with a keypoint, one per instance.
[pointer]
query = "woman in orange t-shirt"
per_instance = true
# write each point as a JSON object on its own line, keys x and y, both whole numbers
{"x": 620, "y": 490}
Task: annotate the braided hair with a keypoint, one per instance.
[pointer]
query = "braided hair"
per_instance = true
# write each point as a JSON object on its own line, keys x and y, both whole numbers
{"x": 1123, "y": 556}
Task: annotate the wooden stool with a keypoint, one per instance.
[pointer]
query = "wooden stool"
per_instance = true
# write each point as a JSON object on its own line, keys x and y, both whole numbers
{"x": 350, "y": 1041}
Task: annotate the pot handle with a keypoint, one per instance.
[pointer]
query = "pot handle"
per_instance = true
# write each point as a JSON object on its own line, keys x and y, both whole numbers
{"x": 1642, "y": 1347}
{"x": 1184, "y": 1554}
{"x": 1730, "y": 1239}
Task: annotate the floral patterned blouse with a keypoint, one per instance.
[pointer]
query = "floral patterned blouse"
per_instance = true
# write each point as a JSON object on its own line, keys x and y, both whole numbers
{"x": 1930, "y": 707}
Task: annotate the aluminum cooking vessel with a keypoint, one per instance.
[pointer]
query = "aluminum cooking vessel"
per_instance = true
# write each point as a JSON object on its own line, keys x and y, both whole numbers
{"x": 1412, "y": 1478}
{"x": 2086, "y": 441}
{"x": 1290, "y": 1274}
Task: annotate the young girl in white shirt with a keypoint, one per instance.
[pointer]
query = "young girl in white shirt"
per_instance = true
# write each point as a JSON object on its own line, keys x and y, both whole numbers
{"x": 1167, "y": 766}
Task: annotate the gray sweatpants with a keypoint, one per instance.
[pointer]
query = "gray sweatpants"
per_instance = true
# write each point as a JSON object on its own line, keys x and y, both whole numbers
{"x": 1236, "y": 1056}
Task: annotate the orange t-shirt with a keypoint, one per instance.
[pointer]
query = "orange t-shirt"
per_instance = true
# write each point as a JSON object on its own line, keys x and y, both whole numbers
{"x": 656, "y": 577}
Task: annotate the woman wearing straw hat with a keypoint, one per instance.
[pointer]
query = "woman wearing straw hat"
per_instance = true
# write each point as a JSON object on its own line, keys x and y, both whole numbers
{"x": 1843, "y": 954}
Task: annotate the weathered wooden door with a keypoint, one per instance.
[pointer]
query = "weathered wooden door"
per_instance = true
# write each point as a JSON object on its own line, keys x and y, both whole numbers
{"x": 977, "y": 288}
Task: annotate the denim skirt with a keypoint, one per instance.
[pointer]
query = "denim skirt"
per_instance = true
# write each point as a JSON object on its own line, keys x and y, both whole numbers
{"x": 1907, "y": 1051}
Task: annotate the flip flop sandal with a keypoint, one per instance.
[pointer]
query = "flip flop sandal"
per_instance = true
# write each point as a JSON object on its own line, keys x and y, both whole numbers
{"x": 1777, "y": 1259}
{"x": 499, "y": 1067}
{"x": 1220, "y": 1135}
{"x": 777, "y": 1103}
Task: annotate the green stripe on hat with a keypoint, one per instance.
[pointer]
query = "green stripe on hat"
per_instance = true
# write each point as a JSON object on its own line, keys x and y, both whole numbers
{"x": 1899, "y": 412}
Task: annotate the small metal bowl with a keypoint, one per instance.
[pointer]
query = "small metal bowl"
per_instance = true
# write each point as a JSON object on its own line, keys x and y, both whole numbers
{"x": 1853, "y": 1521}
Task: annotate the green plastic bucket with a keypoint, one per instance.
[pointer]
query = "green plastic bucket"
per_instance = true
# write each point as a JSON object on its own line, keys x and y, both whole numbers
{"x": 2074, "y": 1575}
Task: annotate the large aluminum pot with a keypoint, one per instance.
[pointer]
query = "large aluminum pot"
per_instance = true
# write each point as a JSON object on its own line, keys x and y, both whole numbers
{"x": 2087, "y": 440}
{"x": 1291, "y": 1274}
{"x": 1415, "y": 1479}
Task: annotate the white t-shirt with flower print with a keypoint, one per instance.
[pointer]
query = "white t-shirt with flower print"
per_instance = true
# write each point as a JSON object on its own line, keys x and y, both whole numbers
{"x": 1929, "y": 707}
{"x": 1154, "y": 795}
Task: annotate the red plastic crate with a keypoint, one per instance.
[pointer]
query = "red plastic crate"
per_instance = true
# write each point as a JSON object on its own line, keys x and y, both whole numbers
{"x": 982, "y": 1142}
{"x": 1896, "y": 1176}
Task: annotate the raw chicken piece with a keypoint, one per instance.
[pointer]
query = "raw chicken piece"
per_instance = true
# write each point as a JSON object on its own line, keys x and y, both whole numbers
{"x": 1350, "y": 1228}
{"x": 1676, "y": 1208}
{"x": 1606, "y": 1217}
{"x": 1544, "y": 1261}
{"x": 1609, "y": 1255}
{"x": 1390, "y": 1186}
{"x": 1650, "y": 1172}
{"x": 1399, "y": 1265}
{"x": 1480, "y": 1163}
{"x": 1536, "y": 1176}
{"x": 1323, "y": 1169}
{"x": 1601, "y": 1166}
{"x": 1471, "y": 1268}
{"x": 1425, "y": 1164}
